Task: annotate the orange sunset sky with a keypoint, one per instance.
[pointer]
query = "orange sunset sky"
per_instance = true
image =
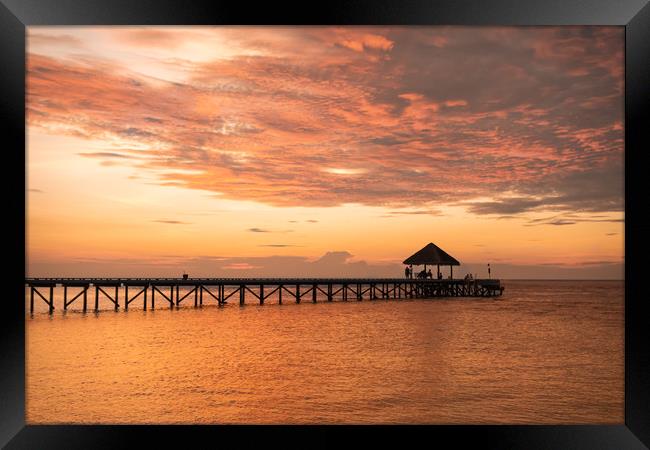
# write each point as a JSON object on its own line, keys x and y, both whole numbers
{"x": 324, "y": 151}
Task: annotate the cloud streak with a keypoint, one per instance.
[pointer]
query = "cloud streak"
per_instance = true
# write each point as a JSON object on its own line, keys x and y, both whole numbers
{"x": 171, "y": 222}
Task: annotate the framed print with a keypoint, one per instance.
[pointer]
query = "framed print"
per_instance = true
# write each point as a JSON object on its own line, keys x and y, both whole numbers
{"x": 404, "y": 220}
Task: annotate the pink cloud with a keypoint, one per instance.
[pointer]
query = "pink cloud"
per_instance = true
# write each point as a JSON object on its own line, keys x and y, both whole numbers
{"x": 452, "y": 115}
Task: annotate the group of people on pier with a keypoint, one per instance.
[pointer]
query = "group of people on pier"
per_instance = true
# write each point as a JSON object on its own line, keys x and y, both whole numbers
{"x": 423, "y": 274}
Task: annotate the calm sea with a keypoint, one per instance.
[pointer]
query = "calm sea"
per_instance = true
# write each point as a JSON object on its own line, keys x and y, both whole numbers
{"x": 545, "y": 352}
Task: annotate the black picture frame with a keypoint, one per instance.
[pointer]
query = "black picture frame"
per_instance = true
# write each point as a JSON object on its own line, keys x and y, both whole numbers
{"x": 634, "y": 15}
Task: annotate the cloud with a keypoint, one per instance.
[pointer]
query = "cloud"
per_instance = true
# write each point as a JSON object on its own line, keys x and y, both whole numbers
{"x": 561, "y": 222}
{"x": 105, "y": 155}
{"x": 278, "y": 245}
{"x": 240, "y": 266}
{"x": 171, "y": 222}
{"x": 36, "y": 38}
{"x": 428, "y": 212}
{"x": 36, "y": 191}
{"x": 364, "y": 42}
{"x": 507, "y": 207}
{"x": 524, "y": 119}
{"x": 264, "y": 230}
{"x": 572, "y": 219}
{"x": 152, "y": 37}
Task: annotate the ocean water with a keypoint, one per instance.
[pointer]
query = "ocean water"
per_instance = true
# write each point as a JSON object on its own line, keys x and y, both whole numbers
{"x": 546, "y": 352}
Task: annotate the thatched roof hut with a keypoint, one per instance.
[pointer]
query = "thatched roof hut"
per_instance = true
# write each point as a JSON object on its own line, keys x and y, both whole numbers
{"x": 432, "y": 255}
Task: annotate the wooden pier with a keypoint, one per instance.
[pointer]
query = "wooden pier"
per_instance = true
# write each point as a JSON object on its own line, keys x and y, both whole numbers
{"x": 121, "y": 292}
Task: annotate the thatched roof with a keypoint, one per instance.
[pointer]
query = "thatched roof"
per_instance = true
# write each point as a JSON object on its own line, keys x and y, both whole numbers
{"x": 431, "y": 254}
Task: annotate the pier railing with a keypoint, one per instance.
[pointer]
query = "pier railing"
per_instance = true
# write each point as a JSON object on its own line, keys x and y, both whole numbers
{"x": 260, "y": 289}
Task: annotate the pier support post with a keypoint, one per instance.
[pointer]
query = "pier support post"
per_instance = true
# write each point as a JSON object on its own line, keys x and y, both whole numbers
{"x": 144, "y": 302}
{"x": 345, "y": 292}
{"x": 117, "y": 302}
{"x": 313, "y": 294}
{"x": 241, "y": 295}
{"x": 51, "y": 299}
{"x": 65, "y": 297}
{"x": 201, "y": 295}
{"x": 359, "y": 296}
{"x": 177, "y": 296}
{"x": 171, "y": 297}
{"x": 280, "y": 288}
{"x": 329, "y": 292}
{"x": 196, "y": 296}
{"x": 85, "y": 298}
{"x": 261, "y": 294}
{"x": 96, "y": 298}
{"x": 31, "y": 299}
{"x": 297, "y": 293}
{"x": 126, "y": 297}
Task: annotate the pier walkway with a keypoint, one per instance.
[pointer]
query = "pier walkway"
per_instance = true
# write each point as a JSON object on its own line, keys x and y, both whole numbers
{"x": 220, "y": 290}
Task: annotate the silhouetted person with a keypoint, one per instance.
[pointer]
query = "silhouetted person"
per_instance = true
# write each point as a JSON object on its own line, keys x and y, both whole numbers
{"x": 429, "y": 274}
{"x": 407, "y": 272}
{"x": 411, "y": 271}
{"x": 439, "y": 275}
